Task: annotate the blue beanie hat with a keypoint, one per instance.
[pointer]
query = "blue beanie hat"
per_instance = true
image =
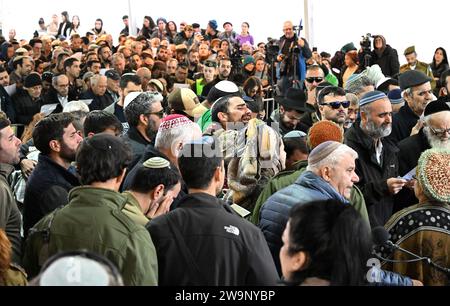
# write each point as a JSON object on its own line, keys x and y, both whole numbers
{"x": 371, "y": 97}
{"x": 395, "y": 96}
{"x": 213, "y": 24}
{"x": 248, "y": 59}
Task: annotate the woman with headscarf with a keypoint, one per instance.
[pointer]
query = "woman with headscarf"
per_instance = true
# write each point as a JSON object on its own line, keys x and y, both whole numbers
{"x": 384, "y": 56}
{"x": 98, "y": 29}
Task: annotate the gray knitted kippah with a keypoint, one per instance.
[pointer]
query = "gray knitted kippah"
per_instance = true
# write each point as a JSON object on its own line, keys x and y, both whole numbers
{"x": 322, "y": 151}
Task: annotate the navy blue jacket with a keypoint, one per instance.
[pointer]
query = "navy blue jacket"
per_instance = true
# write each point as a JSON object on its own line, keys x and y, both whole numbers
{"x": 275, "y": 212}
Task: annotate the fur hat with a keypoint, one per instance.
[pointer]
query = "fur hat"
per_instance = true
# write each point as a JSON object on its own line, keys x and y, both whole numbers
{"x": 324, "y": 131}
{"x": 434, "y": 174}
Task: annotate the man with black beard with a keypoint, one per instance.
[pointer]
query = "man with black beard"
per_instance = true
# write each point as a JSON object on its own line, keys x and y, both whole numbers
{"x": 49, "y": 185}
{"x": 144, "y": 114}
{"x": 105, "y": 56}
{"x": 435, "y": 134}
{"x": 377, "y": 166}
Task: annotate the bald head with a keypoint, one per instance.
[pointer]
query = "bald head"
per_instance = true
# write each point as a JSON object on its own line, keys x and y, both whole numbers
{"x": 144, "y": 73}
{"x": 288, "y": 29}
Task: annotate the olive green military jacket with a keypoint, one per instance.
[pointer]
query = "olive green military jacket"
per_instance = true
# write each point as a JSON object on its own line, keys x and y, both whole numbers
{"x": 93, "y": 221}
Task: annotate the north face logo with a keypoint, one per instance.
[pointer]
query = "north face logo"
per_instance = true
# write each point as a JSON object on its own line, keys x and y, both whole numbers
{"x": 232, "y": 230}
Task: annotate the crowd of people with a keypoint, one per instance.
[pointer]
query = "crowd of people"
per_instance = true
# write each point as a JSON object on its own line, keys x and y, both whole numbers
{"x": 192, "y": 157}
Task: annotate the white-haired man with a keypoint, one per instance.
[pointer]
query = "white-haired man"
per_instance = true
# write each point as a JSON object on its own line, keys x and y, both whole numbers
{"x": 330, "y": 175}
{"x": 435, "y": 134}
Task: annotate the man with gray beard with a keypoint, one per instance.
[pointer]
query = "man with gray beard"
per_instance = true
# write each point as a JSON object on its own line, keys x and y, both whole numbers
{"x": 435, "y": 134}
{"x": 377, "y": 166}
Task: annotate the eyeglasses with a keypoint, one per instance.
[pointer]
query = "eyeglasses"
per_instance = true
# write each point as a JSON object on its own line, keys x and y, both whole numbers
{"x": 160, "y": 114}
{"x": 440, "y": 133}
{"x": 337, "y": 105}
{"x": 311, "y": 80}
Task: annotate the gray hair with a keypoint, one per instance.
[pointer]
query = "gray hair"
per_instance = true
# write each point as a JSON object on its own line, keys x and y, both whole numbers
{"x": 171, "y": 138}
{"x": 76, "y": 106}
{"x": 95, "y": 79}
{"x": 357, "y": 86}
{"x": 140, "y": 105}
{"x": 354, "y": 101}
{"x": 56, "y": 78}
{"x": 333, "y": 159}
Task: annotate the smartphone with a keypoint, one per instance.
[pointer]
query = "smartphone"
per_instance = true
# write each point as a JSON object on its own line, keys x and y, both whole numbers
{"x": 314, "y": 49}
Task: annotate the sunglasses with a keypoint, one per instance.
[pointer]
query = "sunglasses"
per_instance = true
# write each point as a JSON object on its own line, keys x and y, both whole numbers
{"x": 337, "y": 105}
{"x": 311, "y": 80}
{"x": 159, "y": 114}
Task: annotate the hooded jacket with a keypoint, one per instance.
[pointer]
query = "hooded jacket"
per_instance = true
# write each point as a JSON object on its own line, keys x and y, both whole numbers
{"x": 386, "y": 58}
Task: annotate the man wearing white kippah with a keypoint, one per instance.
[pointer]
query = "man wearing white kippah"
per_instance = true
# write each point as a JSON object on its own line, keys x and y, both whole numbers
{"x": 377, "y": 166}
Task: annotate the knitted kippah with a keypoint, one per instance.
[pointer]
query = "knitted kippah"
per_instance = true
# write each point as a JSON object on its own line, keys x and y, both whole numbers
{"x": 324, "y": 131}
{"x": 157, "y": 163}
{"x": 395, "y": 96}
{"x": 174, "y": 121}
{"x": 352, "y": 79}
{"x": 434, "y": 174}
{"x": 323, "y": 151}
{"x": 371, "y": 97}
{"x": 295, "y": 134}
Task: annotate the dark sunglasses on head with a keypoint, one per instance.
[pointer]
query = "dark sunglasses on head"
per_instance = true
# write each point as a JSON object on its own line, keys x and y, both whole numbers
{"x": 337, "y": 105}
{"x": 311, "y": 80}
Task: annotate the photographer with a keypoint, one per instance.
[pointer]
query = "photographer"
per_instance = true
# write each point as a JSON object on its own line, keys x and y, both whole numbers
{"x": 294, "y": 52}
{"x": 382, "y": 55}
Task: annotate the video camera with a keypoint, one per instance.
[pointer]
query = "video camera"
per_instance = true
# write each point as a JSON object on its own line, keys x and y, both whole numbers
{"x": 366, "y": 43}
{"x": 272, "y": 49}
{"x": 236, "y": 58}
